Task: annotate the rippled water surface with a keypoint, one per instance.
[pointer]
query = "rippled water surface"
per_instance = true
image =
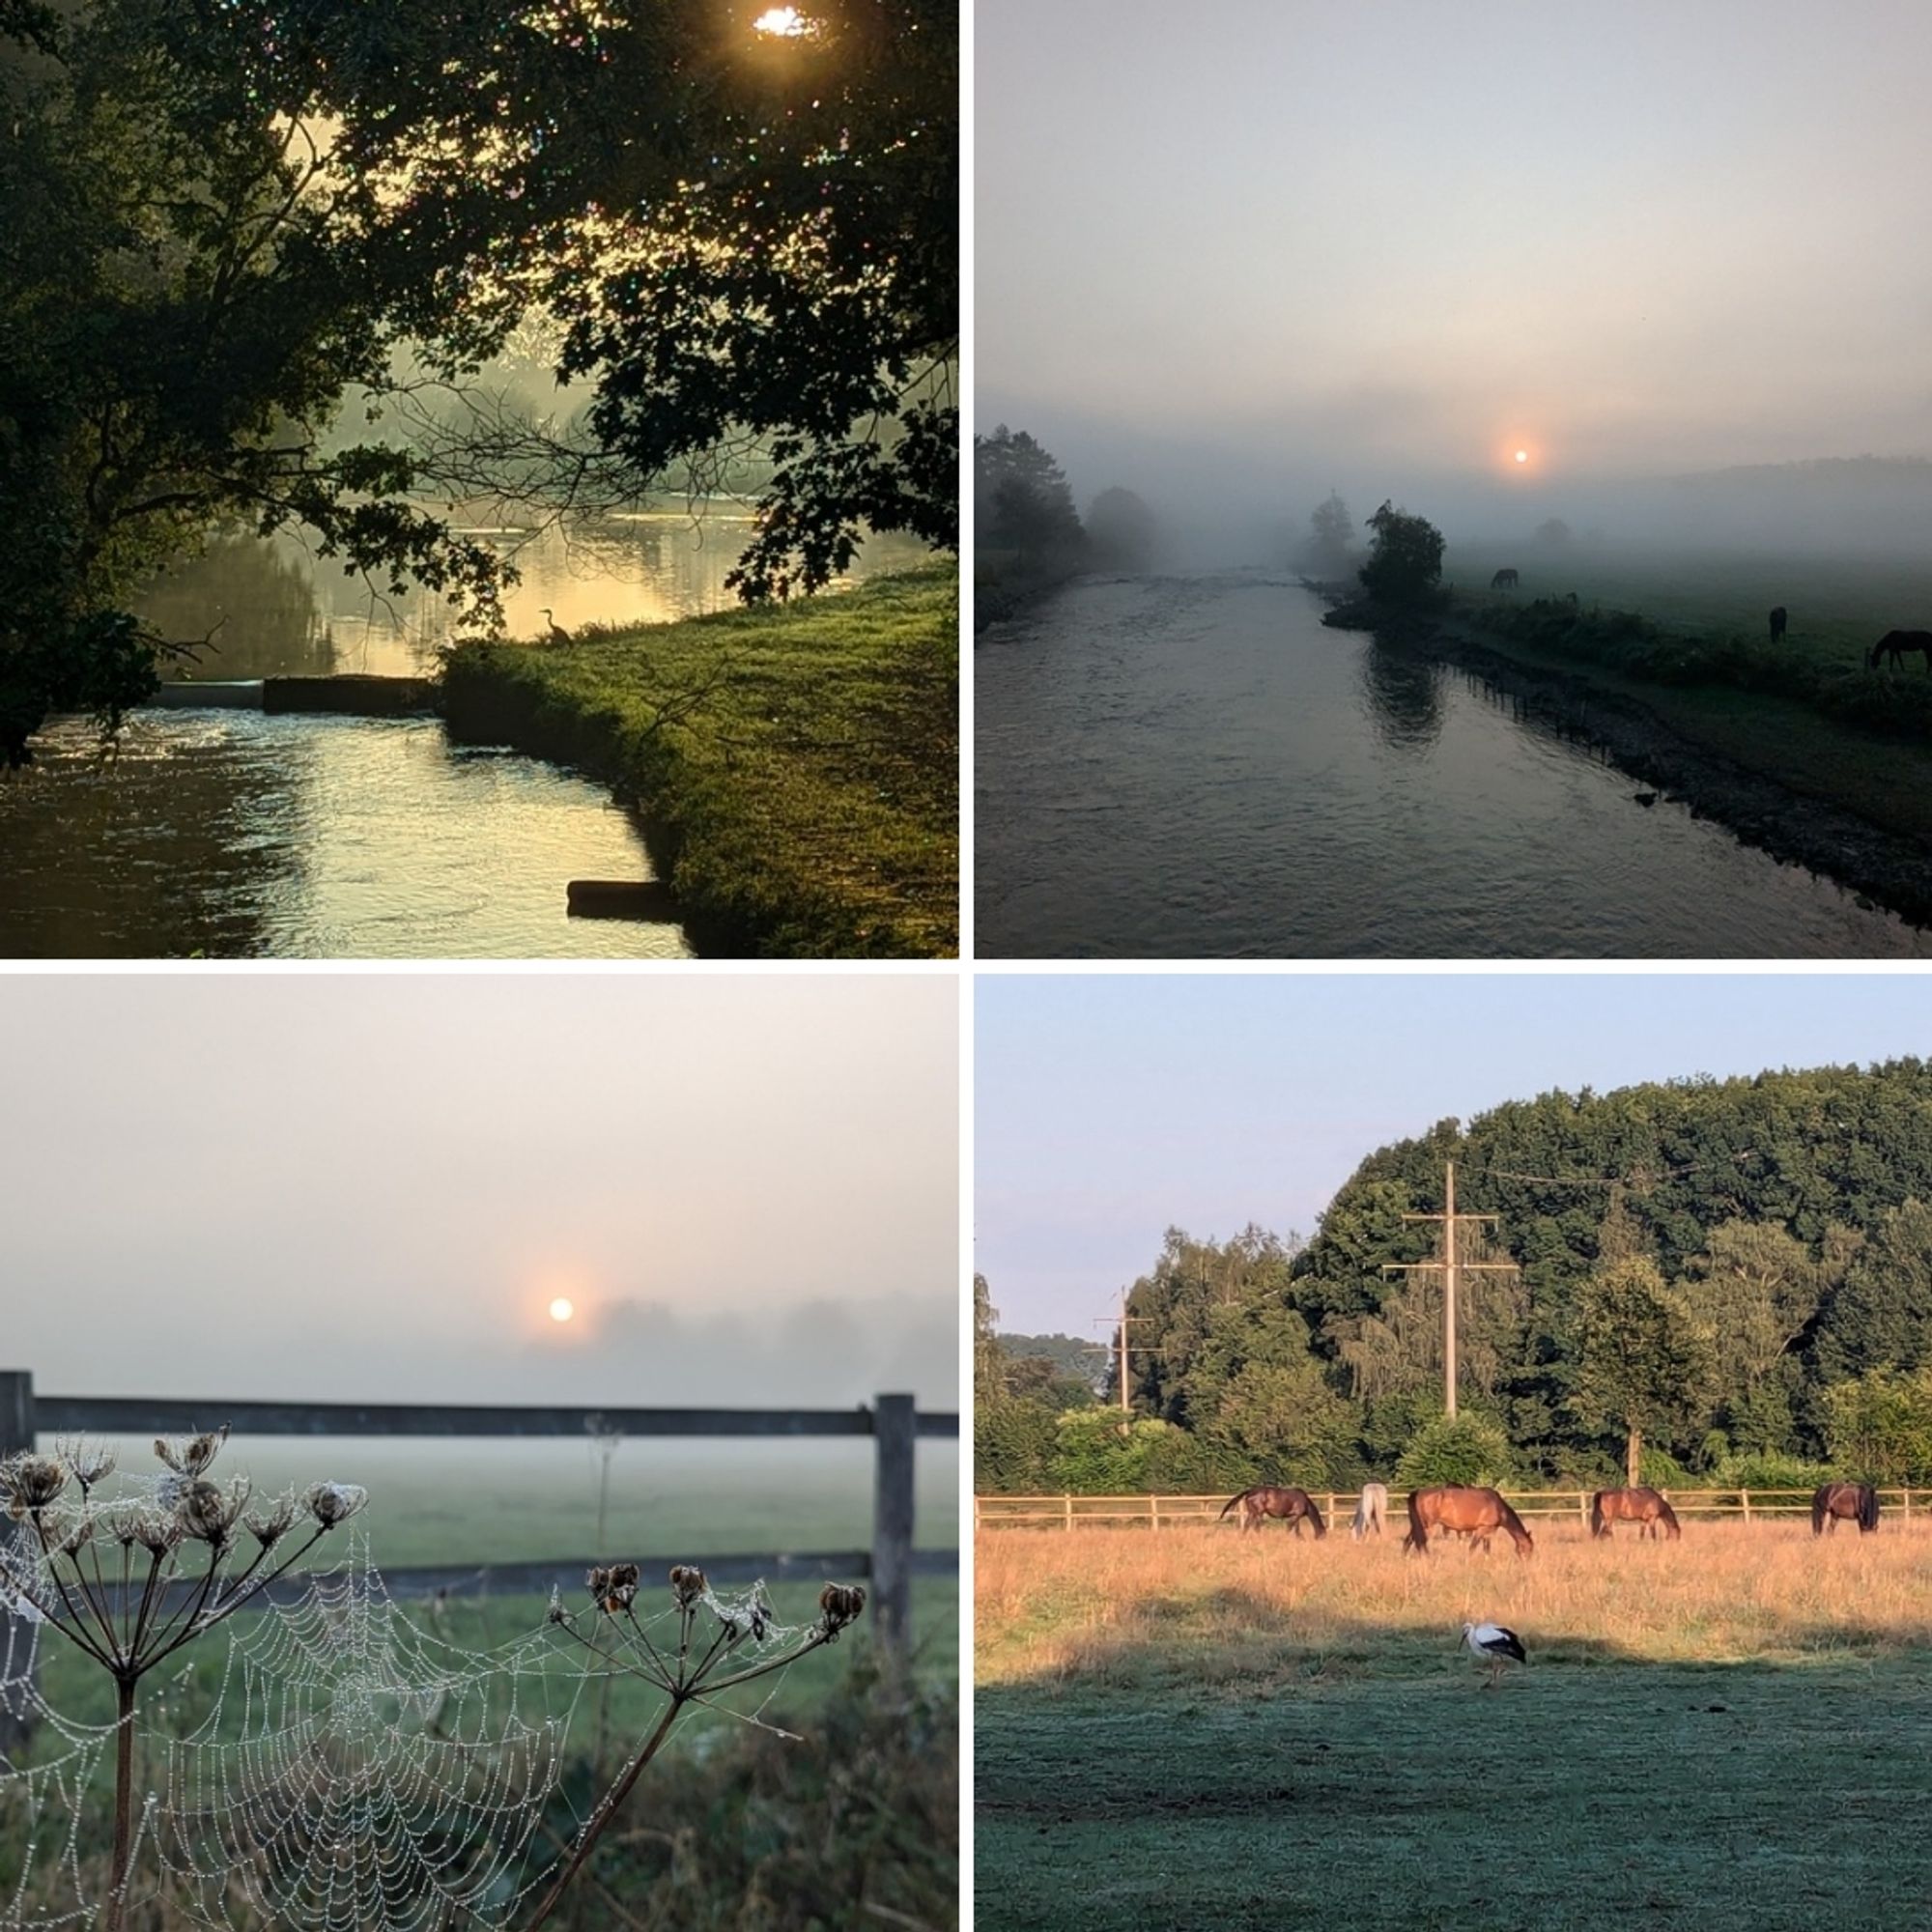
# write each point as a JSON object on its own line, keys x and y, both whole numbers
{"x": 231, "y": 833}
{"x": 1195, "y": 767}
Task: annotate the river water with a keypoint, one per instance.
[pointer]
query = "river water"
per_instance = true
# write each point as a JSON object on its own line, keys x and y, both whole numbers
{"x": 229, "y": 834}
{"x": 1194, "y": 767}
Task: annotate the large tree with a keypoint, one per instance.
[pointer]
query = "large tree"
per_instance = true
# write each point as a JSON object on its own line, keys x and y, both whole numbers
{"x": 216, "y": 223}
{"x": 1643, "y": 1361}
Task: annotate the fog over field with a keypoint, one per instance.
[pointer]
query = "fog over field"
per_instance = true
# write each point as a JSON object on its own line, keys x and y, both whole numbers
{"x": 372, "y": 1188}
{"x": 1231, "y": 259}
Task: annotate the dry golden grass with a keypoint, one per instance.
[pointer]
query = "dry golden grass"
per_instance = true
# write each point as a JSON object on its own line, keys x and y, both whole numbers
{"x": 1100, "y": 1609}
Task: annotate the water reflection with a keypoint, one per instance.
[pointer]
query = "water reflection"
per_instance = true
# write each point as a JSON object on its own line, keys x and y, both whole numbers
{"x": 283, "y": 610}
{"x": 1404, "y": 695}
{"x": 232, "y": 835}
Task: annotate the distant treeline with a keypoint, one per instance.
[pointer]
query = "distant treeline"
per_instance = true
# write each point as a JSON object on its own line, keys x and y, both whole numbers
{"x": 1726, "y": 1279}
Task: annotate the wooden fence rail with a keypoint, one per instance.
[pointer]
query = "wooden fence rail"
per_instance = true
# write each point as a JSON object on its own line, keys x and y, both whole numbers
{"x": 891, "y": 1421}
{"x": 1338, "y": 1506}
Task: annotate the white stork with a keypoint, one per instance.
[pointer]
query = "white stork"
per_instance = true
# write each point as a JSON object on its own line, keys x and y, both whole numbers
{"x": 1495, "y": 1646}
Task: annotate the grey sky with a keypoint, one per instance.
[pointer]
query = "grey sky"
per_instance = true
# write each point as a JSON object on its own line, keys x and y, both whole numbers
{"x": 332, "y": 1186}
{"x": 1400, "y": 241}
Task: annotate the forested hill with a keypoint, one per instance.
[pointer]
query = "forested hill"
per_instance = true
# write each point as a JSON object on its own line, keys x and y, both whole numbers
{"x": 1707, "y": 1271}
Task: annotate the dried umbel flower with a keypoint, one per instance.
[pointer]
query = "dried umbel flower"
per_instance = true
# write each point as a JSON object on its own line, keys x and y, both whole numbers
{"x": 158, "y": 1532}
{"x": 616, "y": 1587}
{"x": 687, "y": 1586}
{"x": 271, "y": 1525}
{"x": 88, "y": 1463}
{"x": 331, "y": 1503}
{"x": 31, "y": 1482}
{"x": 67, "y": 1532}
{"x": 207, "y": 1513}
{"x": 190, "y": 1454}
{"x": 841, "y": 1604}
{"x": 556, "y": 1613}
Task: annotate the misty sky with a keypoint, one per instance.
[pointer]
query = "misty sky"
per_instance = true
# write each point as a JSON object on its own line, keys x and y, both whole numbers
{"x": 344, "y": 1188}
{"x": 1107, "y": 1110}
{"x": 1275, "y": 239}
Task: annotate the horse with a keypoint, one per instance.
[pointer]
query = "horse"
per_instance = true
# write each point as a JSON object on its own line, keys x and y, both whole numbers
{"x": 1855, "y": 1502}
{"x": 1294, "y": 1506}
{"x": 1778, "y": 621}
{"x": 1503, "y": 579}
{"x": 1370, "y": 1509}
{"x": 1898, "y": 645}
{"x": 1477, "y": 1513}
{"x": 1643, "y": 1506}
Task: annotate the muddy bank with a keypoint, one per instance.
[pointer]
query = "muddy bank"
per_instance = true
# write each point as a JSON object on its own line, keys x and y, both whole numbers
{"x": 998, "y": 599}
{"x": 1885, "y": 868}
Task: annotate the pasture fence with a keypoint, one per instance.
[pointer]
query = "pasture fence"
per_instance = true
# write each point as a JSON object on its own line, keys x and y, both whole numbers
{"x": 894, "y": 1422}
{"x": 1338, "y": 1507}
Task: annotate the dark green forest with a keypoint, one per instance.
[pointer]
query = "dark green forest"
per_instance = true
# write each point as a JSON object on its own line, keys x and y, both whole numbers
{"x": 1725, "y": 1281}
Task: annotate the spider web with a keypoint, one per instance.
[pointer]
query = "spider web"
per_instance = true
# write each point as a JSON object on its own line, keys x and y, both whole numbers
{"x": 359, "y": 1775}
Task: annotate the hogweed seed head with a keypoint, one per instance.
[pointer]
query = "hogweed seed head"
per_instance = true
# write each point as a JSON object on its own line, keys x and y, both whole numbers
{"x": 31, "y": 1482}
{"x": 190, "y": 1454}
{"x": 331, "y": 1503}
{"x": 88, "y": 1463}
{"x": 207, "y": 1513}
{"x": 614, "y": 1586}
{"x": 274, "y": 1523}
{"x": 841, "y": 1604}
{"x": 687, "y": 1584}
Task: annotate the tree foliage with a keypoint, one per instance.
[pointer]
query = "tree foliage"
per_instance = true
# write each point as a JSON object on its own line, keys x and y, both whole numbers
{"x": 1644, "y": 1363}
{"x": 217, "y": 222}
{"x": 1405, "y": 563}
{"x": 1331, "y": 538}
{"x": 1021, "y": 500}
{"x": 1120, "y": 530}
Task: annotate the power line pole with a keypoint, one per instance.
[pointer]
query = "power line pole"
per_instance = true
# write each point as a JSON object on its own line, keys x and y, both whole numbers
{"x": 1121, "y": 1323}
{"x": 1449, "y": 1263}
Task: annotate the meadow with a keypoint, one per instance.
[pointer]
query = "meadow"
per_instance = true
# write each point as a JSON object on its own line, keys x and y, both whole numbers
{"x": 1807, "y": 711}
{"x": 1204, "y": 1727}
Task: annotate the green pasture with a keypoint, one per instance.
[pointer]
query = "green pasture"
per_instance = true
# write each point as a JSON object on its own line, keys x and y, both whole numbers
{"x": 1589, "y": 1795}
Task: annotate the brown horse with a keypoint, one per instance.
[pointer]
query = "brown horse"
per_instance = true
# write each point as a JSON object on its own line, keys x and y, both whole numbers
{"x": 1643, "y": 1506}
{"x": 1294, "y": 1506}
{"x": 1475, "y": 1513}
{"x": 1778, "y": 621}
{"x": 1898, "y": 645}
{"x": 1504, "y": 579}
{"x": 1853, "y": 1502}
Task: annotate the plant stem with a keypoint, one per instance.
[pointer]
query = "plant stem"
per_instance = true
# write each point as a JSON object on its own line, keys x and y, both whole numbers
{"x": 606, "y": 1810}
{"x": 124, "y": 1805}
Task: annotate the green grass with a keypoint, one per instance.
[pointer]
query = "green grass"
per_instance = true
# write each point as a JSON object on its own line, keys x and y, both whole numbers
{"x": 795, "y": 769}
{"x": 1573, "y": 1800}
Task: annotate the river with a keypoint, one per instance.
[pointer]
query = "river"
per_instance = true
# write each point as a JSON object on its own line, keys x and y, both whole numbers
{"x": 1193, "y": 766}
{"x": 231, "y": 833}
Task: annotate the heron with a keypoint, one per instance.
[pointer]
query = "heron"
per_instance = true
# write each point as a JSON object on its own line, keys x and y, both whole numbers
{"x": 558, "y": 634}
{"x": 1496, "y": 1646}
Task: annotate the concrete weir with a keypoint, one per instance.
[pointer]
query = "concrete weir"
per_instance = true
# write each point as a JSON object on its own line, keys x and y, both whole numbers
{"x": 354, "y": 694}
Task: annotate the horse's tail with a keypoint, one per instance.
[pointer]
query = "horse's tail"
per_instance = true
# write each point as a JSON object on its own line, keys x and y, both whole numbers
{"x": 1667, "y": 1517}
{"x": 1819, "y": 1497}
{"x": 1418, "y": 1536}
{"x": 1315, "y": 1516}
{"x": 1514, "y": 1523}
{"x": 1230, "y": 1504}
{"x": 1597, "y": 1526}
{"x": 1867, "y": 1507}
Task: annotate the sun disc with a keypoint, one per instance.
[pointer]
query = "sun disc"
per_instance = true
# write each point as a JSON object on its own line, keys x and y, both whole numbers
{"x": 561, "y": 1309}
{"x": 1522, "y": 456}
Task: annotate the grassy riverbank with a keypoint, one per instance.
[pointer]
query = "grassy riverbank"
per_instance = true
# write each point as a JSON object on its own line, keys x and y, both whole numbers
{"x": 795, "y": 769}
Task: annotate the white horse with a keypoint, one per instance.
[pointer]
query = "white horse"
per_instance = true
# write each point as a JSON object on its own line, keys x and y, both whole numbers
{"x": 1370, "y": 1510}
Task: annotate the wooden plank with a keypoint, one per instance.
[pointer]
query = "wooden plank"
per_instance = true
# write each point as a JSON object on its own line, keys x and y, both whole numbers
{"x": 18, "y": 1423}
{"x": 139, "y": 1415}
{"x": 891, "y": 1522}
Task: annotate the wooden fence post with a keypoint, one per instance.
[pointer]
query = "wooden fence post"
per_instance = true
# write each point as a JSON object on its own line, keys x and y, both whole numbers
{"x": 1153, "y": 1504}
{"x": 1066, "y": 1508}
{"x": 1743, "y": 1496}
{"x": 894, "y": 1431}
{"x": 16, "y": 1635}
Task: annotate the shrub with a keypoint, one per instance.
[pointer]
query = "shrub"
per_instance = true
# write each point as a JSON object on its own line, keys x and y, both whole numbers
{"x": 1462, "y": 1448}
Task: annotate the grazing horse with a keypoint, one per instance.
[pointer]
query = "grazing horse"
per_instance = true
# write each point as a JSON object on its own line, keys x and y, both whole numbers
{"x": 1293, "y": 1506}
{"x": 1898, "y": 645}
{"x": 1643, "y": 1506}
{"x": 1476, "y": 1512}
{"x": 1778, "y": 621}
{"x": 1503, "y": 579}
{"x": 1856, "y": 1502}
{"x": 1370, "y": 1510}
